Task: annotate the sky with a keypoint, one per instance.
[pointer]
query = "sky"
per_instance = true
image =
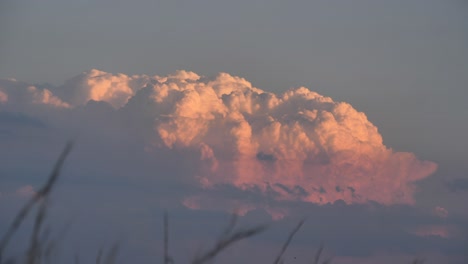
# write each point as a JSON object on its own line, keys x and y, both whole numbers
{"x": 349, "y": 113}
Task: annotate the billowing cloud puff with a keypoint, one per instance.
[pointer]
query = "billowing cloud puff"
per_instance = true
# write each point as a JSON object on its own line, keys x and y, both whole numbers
{"x": 101, "y": 86}
{"x": 46, "y": 97}
{"x": 299, "y": 145}
{"x": 19, "y": 95}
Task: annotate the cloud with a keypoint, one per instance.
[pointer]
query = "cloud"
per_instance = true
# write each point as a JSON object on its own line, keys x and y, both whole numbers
{"x": 15, "y": 95}
{"x": 442, "y": 231}
{"x": 441, "y": 212}
{"x": 296, "y": 146}
{"x": 44, "y": 96}
{"x": 3, "y": 97}
{"x": 101, "y": 86}
{"x": 26, "y": 191}
{"x": 298, "y": 140}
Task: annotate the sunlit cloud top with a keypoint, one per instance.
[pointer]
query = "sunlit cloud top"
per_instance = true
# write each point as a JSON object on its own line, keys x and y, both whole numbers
{"x": 298, "y": 145}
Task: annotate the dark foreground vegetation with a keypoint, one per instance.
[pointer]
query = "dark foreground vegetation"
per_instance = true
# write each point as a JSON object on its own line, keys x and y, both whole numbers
{"x": 41, "y": 247}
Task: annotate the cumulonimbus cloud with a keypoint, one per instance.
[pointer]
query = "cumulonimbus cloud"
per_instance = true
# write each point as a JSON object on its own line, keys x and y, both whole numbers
{"x": 299, "y": 145}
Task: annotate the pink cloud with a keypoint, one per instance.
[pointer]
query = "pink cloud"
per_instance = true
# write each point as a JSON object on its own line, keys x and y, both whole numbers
{"x": 440, "y": 212}
{"x": 3, "y": 97}
{"x": 18, "y": 95}
{"x": 300, "y": 140}
{"x": 44, "y": 96}
{"x": 115, "y": 89}
{"x": 301, "y": 145}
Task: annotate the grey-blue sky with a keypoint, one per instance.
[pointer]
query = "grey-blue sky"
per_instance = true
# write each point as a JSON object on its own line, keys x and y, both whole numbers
{"x": 403, "y": 63}
{"x": 115, "y": 176}
{"x": 377, "y": 55}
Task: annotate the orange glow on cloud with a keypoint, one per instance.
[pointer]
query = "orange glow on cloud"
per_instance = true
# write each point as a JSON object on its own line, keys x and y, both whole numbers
{"x": 300, "y": 145}
{"x": 303, "y": 145}
{"x": 46, "y": 97}
{"x": 3, "y": 97}
{"x": 102, "y": 86}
